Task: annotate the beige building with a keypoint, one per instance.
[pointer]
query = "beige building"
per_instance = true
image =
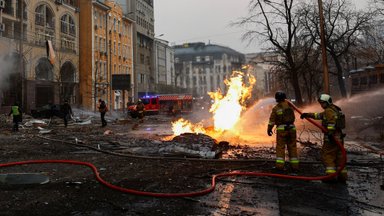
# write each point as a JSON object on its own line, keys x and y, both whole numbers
{"x": 36, "y": 79}
{"x": 144, "y": 73}
{"x": 260, "y": 66}
{"x": 106, "y": 55}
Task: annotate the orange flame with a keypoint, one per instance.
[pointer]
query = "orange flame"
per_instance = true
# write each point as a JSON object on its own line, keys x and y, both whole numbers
{"x": 226, "y": 109}
{"x": 184, "y": 126}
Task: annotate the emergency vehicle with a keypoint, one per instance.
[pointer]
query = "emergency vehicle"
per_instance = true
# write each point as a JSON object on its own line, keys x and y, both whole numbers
{"x": 164, "y": 103}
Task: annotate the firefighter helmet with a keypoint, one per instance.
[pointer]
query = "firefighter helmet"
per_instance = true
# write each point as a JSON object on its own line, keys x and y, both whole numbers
{"x": 280, "y": 96}
{"x": 325, "y": 98}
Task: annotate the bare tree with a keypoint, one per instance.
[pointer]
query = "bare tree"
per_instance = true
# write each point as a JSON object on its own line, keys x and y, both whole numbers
{"x": 277, "y": 22}
{"x": 343, "y": 27}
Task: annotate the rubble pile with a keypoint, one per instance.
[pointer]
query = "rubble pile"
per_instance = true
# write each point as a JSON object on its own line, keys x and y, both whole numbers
{"x": 192, "y": 145}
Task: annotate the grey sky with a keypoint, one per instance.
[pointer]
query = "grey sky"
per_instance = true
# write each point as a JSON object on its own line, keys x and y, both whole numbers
{"x": 205, "y": 20}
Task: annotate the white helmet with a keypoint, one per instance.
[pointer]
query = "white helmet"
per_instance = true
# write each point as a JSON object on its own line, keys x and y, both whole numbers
{"x": 325, "y": 98}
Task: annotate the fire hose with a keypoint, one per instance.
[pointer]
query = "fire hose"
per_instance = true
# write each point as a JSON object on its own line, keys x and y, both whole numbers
{"x": 196, "y": 193}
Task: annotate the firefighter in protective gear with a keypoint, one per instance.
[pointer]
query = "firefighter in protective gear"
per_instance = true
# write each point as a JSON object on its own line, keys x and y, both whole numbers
{"x": 330, "y": 152}
{"x": 17, "y": 116}
{"x": 283, "y": 117}
{"x": 140, "y": 108}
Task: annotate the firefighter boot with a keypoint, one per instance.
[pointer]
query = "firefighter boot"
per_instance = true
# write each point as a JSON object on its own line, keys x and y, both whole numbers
{"x": 342, "y": 177}
{"x": 294, "y": 167}
{"x": 279, "y": 167}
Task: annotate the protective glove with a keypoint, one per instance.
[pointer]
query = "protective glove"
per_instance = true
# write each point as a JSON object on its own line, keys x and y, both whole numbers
{"x": 304, "y": 115}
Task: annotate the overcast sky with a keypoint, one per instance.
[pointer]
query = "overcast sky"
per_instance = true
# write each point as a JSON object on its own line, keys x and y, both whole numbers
{"x": 206, "y": 21}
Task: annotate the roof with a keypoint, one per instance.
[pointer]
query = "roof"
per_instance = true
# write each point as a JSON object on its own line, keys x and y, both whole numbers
{"x": 202, "y": 49}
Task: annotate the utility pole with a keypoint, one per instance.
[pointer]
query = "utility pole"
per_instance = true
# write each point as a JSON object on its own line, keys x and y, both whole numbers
{"x": 323, "y": 49}
{"x": 21, "y": 62}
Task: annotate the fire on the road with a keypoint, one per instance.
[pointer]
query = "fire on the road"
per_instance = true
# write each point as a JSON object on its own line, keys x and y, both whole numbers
{"x": 226, "y": 109}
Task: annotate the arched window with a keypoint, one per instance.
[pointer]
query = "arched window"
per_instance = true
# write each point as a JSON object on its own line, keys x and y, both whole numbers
{"x": 67, "y": 72}
{"x": 67, "y": 76}
{"x": 44, "y": 25}
{"x": 68, "y": 25}
{"x": 44, "y": 17}
{"x": 44, "y": 70}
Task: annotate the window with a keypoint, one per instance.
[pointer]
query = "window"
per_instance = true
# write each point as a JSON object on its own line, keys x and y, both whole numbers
{"x": 96, "y": 43}
{"x": 44, "y": 17}
{"x": 141, "y": 58}
{"x": 44, "y": 70}
{"x": 142, "y": 78}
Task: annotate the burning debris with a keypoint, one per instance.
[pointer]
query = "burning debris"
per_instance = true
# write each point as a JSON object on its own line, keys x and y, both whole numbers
{"x": 192, "y": 145}
{"x": 226, "y": 109}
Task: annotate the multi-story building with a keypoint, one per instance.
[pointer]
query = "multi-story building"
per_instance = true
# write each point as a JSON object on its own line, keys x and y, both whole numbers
{"x": 144, "y": 73}
{"x": 260, "y": 66}
{"x": 32, "y": 77}
{"x": 204, "y": 67}
{"x": 106, "y": 54}
{"x": 164, "y": 67}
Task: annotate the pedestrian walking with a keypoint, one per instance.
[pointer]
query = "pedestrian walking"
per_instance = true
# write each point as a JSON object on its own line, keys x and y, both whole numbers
{"x": 103, "y": 109}
{"x": 67, "y": 112}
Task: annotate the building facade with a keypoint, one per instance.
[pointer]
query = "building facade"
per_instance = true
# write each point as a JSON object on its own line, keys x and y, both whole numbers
{"x": 260, "y": 66}
{"x": 366, "y": 79}
{"x": 33, "y": 76}
{"x": 144, "y": 73}
{"x": 106, "y": 58}
{"x": 164, "y": 67}
{"x": 203, "y": 67}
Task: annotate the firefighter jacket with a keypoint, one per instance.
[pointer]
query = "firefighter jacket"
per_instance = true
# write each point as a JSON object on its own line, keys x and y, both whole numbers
{"x": 328, "y": 118}
{"x": 282, "y": 116}
{"x": 140, "y": 107}
{"x": 103, "y": 107}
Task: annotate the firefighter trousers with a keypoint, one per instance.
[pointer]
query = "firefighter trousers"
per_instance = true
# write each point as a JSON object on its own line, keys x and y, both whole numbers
{"x": 286, "y": 139}
{"x": 332, "y": 156}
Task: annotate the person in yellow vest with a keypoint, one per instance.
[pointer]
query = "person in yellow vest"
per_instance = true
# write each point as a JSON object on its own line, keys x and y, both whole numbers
{"x": 283, "y": 117}
{"x": 17, "y": 116}
{"x": 330, "y": 151}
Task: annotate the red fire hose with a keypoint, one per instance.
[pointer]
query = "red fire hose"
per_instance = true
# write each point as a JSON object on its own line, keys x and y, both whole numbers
{"x": 197, "y": 193}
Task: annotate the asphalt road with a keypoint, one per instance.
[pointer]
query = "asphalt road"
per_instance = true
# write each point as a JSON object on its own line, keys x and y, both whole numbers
{"x": 73, "y": 190}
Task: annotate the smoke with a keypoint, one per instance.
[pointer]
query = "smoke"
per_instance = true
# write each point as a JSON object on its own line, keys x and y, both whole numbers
{"x": 7, "y": 63}
{"x": 364, "y": 115}
{"x": 364, "y": 119}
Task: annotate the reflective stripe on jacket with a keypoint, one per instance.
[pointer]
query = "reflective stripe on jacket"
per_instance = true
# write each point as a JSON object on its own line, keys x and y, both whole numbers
{"x": 328, "y": 117}
{"x": 15, "y": 110}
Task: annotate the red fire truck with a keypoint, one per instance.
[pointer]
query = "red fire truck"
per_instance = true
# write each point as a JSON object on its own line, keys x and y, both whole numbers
{"x": 164, "y": 103}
